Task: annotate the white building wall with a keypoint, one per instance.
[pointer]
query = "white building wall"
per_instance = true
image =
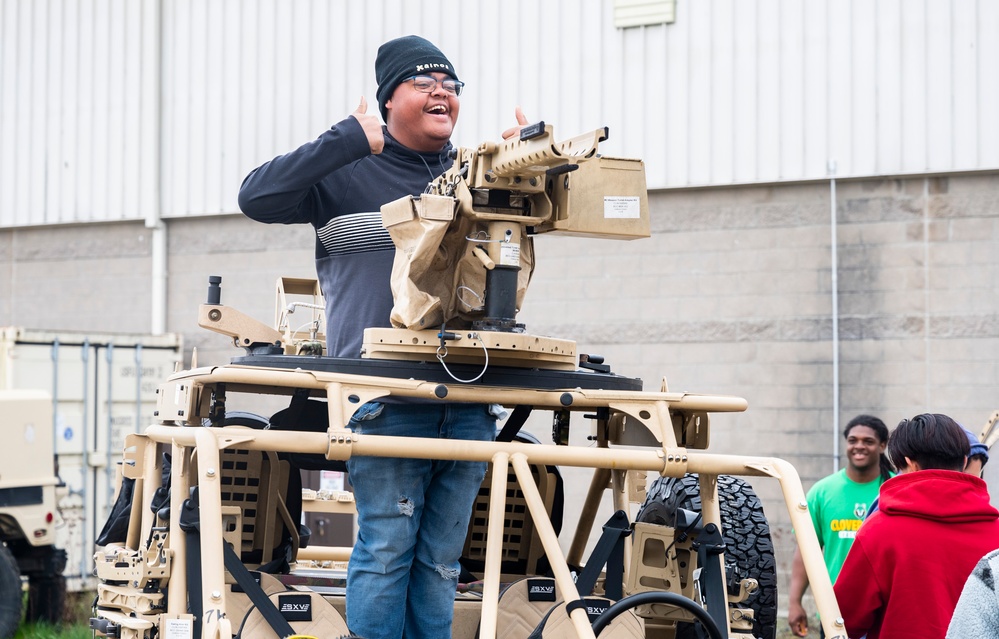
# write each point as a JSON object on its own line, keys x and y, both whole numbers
{"x": 74, "y": 98}
{"x": 132, "y": 109}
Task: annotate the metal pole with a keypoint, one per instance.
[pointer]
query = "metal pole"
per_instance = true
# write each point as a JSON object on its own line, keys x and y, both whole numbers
{"x": 55, "y": 400}
{"x": 598, "y": 484}
{"x": 834, "y": 269}
{"x": 109, "y": 465}
{"x": 88, "y": 517}
{"x": 549, "y": 541}
{"x": 138, "y": 388}
{"x": 151, "y": 132}
{"x": 494, "y": 545}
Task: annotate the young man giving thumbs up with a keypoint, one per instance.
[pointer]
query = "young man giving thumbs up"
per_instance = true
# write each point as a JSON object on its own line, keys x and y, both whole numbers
{"x": 412, "y": 513}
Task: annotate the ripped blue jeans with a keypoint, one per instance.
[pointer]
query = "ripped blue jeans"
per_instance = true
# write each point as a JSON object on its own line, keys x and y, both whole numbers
{"x": 412, "y": 519}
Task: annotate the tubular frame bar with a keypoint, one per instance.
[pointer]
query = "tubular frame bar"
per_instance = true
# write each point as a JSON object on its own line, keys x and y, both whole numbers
{"x": 674, "y": 462}
{"x": 598, "y": 484}
{"x": 494, "y": 543}
{"x": 563, "y": 578}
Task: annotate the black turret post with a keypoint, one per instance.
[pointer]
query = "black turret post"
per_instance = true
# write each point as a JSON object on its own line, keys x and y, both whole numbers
{"x": 214, "y": 290}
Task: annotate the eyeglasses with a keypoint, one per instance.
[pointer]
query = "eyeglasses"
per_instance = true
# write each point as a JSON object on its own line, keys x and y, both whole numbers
{"x": 428, "y": 84}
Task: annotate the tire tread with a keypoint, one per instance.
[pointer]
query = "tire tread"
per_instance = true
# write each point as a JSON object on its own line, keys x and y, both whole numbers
{"x": 10, "y": 593}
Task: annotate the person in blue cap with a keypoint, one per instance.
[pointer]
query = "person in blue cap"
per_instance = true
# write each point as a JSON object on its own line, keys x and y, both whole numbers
{"x": 978, "y": 457}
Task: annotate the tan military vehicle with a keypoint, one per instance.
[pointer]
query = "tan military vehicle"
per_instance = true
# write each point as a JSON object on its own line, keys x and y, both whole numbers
{"x": 28, "y": 512}
{"x": 212, "y": 546}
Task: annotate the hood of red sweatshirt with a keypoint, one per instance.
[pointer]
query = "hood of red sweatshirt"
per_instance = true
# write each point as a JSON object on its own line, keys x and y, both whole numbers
{"x": 937, "y": 494}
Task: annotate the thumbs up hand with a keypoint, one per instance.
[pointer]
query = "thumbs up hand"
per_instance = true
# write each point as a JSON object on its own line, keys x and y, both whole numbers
{"x": 521, "y": 123}
{"x": 371, "y": 125}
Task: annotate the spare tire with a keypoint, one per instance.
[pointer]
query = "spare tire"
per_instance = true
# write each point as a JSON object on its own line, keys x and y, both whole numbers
{"x": 10, "y": 593}
{"x": 749, "y": 551}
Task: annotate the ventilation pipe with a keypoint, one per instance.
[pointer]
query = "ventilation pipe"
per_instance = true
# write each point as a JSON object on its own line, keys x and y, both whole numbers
{"x": 151, "y": 95}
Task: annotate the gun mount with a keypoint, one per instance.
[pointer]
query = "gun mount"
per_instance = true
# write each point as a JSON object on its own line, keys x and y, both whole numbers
{"x": 465, "y": 251}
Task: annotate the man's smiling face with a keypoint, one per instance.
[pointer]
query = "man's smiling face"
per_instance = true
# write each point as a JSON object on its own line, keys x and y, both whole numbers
{"x": 863, "y": 448}
{"x": 422, "y": 121}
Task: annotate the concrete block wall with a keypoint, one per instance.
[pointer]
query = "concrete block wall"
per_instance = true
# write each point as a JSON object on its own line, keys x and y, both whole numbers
{"x": 77, "y": 277}
{"x": 732, "y": 295}
{"x": 248, "y": 255}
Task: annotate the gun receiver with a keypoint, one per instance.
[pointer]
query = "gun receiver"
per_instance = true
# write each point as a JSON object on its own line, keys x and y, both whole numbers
{"x": 562, "y": 187}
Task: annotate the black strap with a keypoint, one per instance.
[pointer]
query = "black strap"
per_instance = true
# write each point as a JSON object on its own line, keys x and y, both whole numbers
{"x": 575, "y": 603}
{"x": 609, "y": 551}
{"x": 190, "y": 523}
{"x": 271, "y": 614}
{"x": 709, "y": 545}
{"x": 514, "y": 423}
{"x": 193, "y": 556}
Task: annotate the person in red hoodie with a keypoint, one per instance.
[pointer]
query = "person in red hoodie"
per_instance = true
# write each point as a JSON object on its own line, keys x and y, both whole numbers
{"x": 906, "y": 568}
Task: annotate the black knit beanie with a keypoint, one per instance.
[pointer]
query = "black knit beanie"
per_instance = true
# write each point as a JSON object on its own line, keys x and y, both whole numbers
{"x": 403, "y": 58}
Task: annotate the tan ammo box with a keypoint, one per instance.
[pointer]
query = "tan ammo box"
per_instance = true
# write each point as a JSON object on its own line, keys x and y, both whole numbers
{"x": 604, "y": 197}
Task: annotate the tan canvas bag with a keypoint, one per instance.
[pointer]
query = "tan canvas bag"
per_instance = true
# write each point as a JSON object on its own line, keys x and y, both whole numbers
{"x": 435, "y": 276}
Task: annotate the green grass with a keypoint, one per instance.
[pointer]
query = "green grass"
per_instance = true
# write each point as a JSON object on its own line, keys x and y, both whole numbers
{"x": 76, "y": 622}
{"x": 46, "y": 631}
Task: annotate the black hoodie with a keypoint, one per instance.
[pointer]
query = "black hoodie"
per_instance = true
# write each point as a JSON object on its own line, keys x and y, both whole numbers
{"x": 338, "y": 186}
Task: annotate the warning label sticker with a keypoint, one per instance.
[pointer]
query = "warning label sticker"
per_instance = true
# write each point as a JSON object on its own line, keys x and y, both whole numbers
{"x": 620, "y": 207}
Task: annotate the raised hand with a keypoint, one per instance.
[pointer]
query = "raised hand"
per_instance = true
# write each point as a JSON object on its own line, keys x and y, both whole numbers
{"x": 521, "y": 122}
{"x": 371, "y": 125}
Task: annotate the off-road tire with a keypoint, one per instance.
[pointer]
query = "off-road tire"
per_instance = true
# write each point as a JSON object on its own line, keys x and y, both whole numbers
{"x": 46, "y": 599}
{"x": 10, "y": 593}
{"x": 749, "y": 551}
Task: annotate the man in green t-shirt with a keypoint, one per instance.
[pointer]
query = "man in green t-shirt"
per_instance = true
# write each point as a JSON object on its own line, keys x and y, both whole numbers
{"x": 838, "y": 505}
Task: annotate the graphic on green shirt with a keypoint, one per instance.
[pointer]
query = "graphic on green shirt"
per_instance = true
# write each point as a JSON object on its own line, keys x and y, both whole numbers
{"x": 838, "y": 507}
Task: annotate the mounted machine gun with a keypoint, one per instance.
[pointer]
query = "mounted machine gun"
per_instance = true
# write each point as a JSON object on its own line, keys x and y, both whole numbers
{"x": 465, "y": 250}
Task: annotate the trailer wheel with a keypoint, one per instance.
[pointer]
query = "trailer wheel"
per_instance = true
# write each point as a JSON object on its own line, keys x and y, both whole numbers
{"x": 749, "y": 551}
{"x": 47, "y": 587}
{"x": 10, "y": 593}
{"x": 46, "y": 599}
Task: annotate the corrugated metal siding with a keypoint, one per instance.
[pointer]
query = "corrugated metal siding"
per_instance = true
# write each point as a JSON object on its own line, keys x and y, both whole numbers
{"x": 734, "y": 91}
{"x": 71, "y": 107}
